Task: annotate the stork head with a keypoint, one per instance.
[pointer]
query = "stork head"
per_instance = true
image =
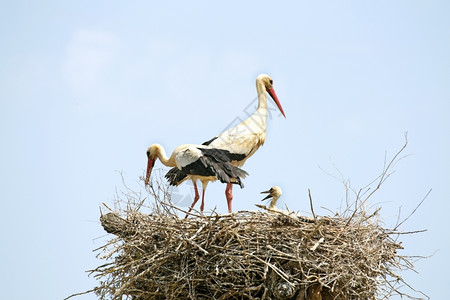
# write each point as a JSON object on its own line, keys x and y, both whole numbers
{"x": 152, "y": 154}
{"x": 267, "y": 82}
{"x": 274, "y": 192}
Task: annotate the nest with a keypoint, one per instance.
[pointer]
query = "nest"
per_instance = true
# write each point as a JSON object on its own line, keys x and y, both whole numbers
{"x": 246, "y": 255}
{"x": 155, "y": 254}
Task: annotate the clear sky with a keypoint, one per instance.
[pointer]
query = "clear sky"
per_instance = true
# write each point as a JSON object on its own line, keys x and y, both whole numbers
{"x": 87, "y": 86}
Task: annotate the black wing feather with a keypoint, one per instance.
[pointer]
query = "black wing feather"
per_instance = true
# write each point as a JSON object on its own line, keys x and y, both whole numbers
{"x": 222, "y": 155}
{"x": 175, "y": 176}
{"x": 213, "y": 162}
{"x": 232, "y": 156}
{"x": 209, "y": 141}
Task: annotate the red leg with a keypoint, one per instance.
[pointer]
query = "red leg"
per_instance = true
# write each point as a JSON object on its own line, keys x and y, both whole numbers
{"x": 196, "y": 197}
{"x": 202, "y": 206}
{"x": 229, "y": 195}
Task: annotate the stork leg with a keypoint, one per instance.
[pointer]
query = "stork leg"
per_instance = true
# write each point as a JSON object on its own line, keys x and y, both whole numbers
{"x": 202, "y": 206}
{"x": 229, "y": 195}
{"x": 196, "y": 197}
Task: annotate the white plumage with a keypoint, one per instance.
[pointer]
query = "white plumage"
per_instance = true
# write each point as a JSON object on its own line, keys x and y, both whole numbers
{"x": 186, "y": 155}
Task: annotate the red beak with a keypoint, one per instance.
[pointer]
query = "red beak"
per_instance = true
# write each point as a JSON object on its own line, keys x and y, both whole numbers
{"x": 275, "y": 98}
{"x": 150, "y": 164}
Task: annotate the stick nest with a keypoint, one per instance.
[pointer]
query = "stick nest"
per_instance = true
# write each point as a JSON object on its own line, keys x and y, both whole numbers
{"x": 246, "y": 255}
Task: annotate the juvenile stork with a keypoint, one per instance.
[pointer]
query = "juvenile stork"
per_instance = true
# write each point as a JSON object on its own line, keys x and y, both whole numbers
{"x": 195, "y": 162}
{"x": 244, "y": 139}
{"x": 275, "y": 194}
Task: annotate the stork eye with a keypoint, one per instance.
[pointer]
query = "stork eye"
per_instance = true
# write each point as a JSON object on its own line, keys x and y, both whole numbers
{"x": 148, "y": 153}
{"x": 271, "y": 81}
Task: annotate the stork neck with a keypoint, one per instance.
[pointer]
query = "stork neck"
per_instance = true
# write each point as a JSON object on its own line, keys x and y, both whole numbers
{"x": 273, "y": 203}
{"x": 262, "y": 96}
{"x": 167, "y": 161}
{"x": 259, "y": 117}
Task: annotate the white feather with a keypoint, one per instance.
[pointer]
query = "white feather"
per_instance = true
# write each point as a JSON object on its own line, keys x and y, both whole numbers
{"x": 186, "y": 156}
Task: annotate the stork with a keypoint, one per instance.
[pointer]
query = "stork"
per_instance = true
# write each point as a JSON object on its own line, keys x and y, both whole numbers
{"x": 195, "y": 162}
{"x": 275, "y": 194}
{"x": 244, "y": 139}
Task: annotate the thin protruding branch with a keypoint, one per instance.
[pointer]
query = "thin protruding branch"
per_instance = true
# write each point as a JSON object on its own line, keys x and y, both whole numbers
{"x": 311, "y": 204}
{"x": 384, "y": 175}
{"x": 414, "y": 210}
{"x": 82, "y": 293}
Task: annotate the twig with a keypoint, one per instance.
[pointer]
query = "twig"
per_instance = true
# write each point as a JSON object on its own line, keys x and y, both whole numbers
{"x": 311, "y": 204}
{"x": 384, "y": 175}
{"x": 79, "y": 294}
{"x": 313, "y": 248}
{"x": 420, "y": 203}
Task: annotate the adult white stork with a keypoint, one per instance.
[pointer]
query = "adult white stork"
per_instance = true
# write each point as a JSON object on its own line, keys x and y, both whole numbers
{"x": 244, "y": 139}
{"x": 195, "y": 162}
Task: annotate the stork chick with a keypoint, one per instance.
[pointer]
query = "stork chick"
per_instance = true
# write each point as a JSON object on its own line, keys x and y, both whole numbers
{"x": 275, "y": 194}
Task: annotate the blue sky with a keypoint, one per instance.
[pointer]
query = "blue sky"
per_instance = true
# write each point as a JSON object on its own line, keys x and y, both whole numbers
{"x": 86, "y": 87}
